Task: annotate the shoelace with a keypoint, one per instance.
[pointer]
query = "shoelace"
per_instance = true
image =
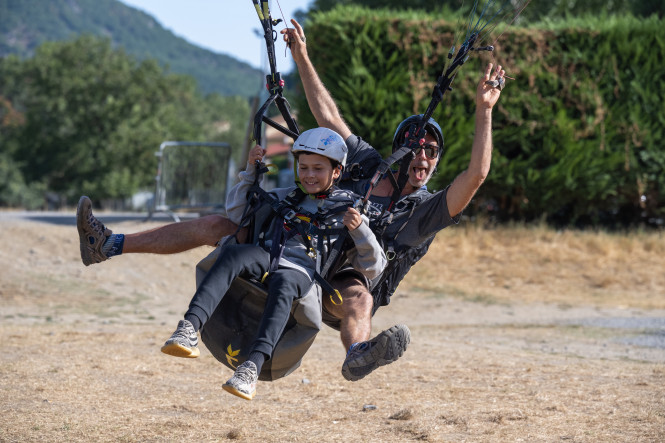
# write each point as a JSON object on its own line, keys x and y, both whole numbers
{"x": 246, "y": 374}
{"x": 98, "y": 226}
{"x": 186, "y": 333}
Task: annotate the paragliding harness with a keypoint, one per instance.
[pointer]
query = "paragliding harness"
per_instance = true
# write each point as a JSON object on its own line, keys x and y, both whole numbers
{"x": 283, "y": 209}
{"x": 230, "y": 331}
{"x": 400, "y": 258}
{"x": 286, "y": 223}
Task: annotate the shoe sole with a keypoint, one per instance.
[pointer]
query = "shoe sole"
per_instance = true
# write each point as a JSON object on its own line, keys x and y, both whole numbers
{"x": 177, "y": 350}
{"x": 390, "y": 346}
{"x": 231, "y": 390}
{"x": 83, "y": 205}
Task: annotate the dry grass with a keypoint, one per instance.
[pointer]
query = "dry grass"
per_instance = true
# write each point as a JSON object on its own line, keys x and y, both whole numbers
{"x": 491, "y": 358}
{"x": 538, "y": 264}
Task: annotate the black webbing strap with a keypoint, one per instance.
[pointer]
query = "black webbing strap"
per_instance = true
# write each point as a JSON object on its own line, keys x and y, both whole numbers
{"x": 307, "y": 229}
{"x": 274, "y": 82}
{"x": 383, "y": 167}
{"x": 253, "y": 197}
{"x": 284, "y": 108}
{"x": 404, "y": 155}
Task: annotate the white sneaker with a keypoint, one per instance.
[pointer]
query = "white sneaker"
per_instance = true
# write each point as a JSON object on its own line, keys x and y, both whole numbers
{"x": 183, "y": 342}
{"x": 243, "y": 382}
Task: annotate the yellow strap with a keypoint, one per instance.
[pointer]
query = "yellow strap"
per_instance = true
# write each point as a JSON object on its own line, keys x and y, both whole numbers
{"x": 258, "y": 11}
{"x": 264, "y": 277}
{"x": 339, "y": 296}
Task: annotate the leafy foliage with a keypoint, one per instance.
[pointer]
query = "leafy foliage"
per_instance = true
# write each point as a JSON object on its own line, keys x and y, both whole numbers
{"x": 88, "y": 119}
{"x": 26, "y": 24}
{"x": 577, "y": 135}
{"x": 537, "y": 10}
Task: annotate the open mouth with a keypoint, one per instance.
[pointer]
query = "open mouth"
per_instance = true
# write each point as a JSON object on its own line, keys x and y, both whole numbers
{"x": 419, "y": 173}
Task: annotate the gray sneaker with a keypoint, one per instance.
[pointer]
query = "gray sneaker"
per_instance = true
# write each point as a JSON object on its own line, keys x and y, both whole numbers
{"x": 383, "y": 349}
{"x": 183, "y": 342}
{"x": 92, "y": 233}
{"x": 243, "y": 382}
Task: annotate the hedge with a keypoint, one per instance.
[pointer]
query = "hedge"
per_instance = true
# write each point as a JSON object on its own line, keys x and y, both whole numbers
{"x": 577, "y": 134}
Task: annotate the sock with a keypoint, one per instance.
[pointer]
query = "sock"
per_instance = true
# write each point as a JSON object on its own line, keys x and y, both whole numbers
{"x": 113, "y": 245}
{"x": 258, "y": 358}
{"x": 194, "y": 320}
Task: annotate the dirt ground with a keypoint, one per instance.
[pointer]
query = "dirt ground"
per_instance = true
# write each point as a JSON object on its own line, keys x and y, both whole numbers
{"x": 517, "y": 335}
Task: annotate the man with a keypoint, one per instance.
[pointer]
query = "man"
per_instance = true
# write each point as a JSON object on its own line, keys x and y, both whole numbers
{"x": 418, "y": 215}
{"x": 409, "y": 237}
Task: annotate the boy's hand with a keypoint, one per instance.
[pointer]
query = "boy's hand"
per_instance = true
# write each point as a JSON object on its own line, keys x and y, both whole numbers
{"x": 352, "y": 219}
{"x": 256, "y": 153}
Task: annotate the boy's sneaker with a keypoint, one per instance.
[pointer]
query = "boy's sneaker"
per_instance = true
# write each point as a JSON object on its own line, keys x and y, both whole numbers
{"x": 383, "y": 349}
{"x": 243, "y": 382}
{"x": 92, "y": 233}
{"x": 183, "y": 342}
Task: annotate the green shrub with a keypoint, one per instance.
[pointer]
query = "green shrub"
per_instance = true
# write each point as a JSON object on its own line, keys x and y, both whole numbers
{"x": 577, "y": 135}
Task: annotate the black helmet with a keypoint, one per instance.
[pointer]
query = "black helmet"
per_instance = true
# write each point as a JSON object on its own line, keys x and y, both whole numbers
{"x": 432, "y": 128}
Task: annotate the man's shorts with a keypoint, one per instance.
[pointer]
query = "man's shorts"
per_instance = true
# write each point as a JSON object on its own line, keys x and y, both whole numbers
{"x": 343, "y": 274}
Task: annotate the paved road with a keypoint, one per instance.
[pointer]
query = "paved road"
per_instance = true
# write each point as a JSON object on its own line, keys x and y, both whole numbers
{"x": 69, "y": 218}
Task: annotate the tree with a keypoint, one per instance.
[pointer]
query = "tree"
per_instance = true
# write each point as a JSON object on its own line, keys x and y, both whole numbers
{"x": 94, "y": 116}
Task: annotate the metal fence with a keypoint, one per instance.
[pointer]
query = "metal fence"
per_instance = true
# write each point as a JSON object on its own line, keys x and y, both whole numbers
{"x": 191, "y": 177}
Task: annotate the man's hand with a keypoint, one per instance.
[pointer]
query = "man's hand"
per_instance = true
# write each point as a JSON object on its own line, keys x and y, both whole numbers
{"x": 296, "y": 40}
{"x": 352, "y": 219}
{"x": 487, "y": 94}
{"x": 256, "y": 153}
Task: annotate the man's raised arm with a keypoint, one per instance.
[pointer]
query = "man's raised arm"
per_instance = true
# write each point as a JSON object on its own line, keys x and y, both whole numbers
{"x": 320, "y": 101}
{"x": 467, "y": 183}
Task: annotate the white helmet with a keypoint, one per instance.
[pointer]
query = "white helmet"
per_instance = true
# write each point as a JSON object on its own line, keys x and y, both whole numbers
{"x": 322, "y": 141}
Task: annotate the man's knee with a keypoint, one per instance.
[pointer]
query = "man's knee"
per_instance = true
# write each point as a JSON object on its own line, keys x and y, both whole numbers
{"x": 216, "y": 226}
{"x": 357, "y": 300}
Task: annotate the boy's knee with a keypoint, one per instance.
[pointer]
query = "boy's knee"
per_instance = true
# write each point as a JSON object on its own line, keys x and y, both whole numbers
{"x": 232, "y": 254}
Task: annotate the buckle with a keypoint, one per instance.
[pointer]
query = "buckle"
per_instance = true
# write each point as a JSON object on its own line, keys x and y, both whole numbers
{"x": 355, "y": 171}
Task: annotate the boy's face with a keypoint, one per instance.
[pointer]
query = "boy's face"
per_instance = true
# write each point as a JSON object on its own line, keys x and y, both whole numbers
{"x": 316, "y": 172}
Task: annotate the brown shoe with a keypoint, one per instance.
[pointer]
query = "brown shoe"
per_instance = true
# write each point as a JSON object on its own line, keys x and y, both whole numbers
{"x": 92, "y": 233}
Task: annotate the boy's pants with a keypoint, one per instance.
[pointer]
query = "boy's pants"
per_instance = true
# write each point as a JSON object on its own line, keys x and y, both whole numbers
{"x": 284, "y": 286}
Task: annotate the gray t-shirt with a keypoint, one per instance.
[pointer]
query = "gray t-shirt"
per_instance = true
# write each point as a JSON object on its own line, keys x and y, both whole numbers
{"x": 416, "y": 218}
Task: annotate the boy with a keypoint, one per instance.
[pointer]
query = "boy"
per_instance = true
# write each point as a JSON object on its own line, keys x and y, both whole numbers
{"x": 285, "y": 258}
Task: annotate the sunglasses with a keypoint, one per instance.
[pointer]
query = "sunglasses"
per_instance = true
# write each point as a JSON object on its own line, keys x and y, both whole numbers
{"x": 431, "y": 151}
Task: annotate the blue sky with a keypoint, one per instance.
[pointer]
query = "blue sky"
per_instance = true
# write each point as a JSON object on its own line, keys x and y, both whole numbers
{"x": 223, "y": 26}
